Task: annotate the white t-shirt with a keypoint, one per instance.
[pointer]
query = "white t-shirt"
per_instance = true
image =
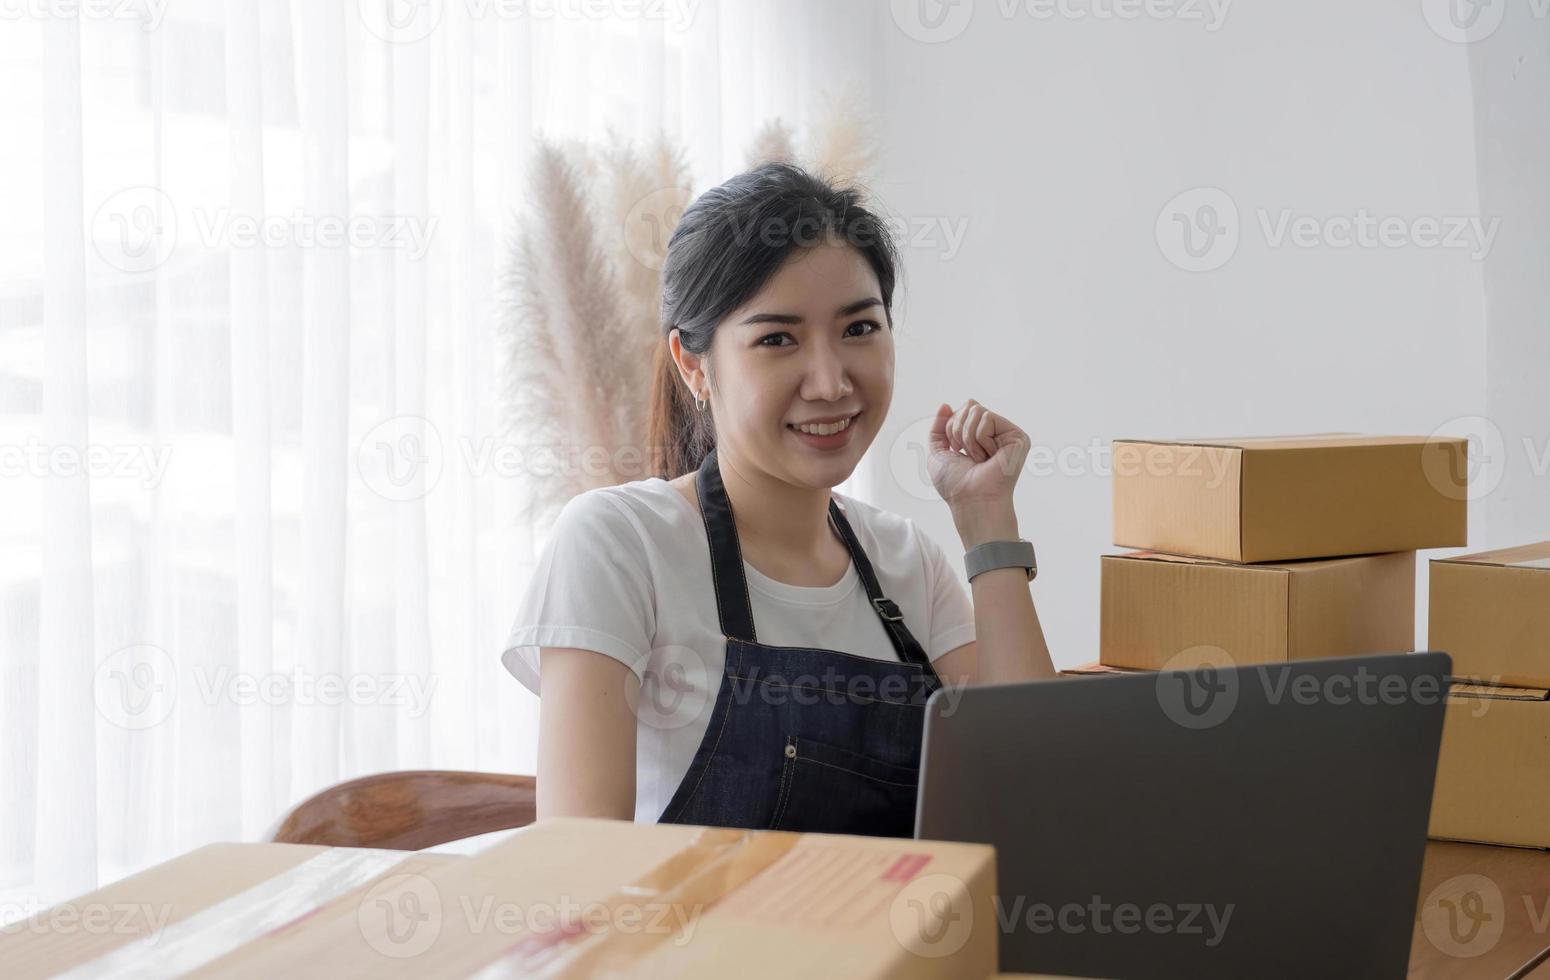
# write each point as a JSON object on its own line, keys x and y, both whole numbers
{"x": 626, "y": 572}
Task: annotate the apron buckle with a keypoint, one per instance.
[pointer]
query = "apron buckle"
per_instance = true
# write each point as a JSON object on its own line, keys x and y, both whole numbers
{"x": 888, "y": 609}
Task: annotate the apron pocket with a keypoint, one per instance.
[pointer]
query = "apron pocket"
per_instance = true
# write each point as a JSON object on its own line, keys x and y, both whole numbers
{"x": 827, "y": 789}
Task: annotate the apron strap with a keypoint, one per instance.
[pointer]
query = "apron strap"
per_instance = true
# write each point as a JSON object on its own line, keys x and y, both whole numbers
{"x": 893, "y": 619}
{"x": 733, "y": 605}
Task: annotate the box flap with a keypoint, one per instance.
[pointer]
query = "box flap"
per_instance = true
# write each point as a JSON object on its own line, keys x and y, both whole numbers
{"x": 1294, "y": 565}
{"x": 1315, "y": 440}
{"x": 1168, "y": 556}
{"x": 1101, "y": 668}
{"x": 1536, "y": 555}
{"x": 1496, "y": 692}
{"x": 1239, "y": 442}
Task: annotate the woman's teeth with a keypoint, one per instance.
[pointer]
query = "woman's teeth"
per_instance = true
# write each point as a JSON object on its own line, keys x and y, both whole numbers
{"x": 825, "y": 429}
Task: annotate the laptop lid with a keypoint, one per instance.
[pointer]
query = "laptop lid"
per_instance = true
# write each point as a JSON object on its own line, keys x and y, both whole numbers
{"x": 1251, "y": 821}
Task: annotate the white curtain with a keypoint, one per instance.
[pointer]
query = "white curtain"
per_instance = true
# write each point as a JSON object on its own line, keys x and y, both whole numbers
{"x": 251, "y": 540}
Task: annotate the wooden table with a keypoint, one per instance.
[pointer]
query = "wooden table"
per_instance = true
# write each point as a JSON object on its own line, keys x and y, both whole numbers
{"x": 1484, "y": 912}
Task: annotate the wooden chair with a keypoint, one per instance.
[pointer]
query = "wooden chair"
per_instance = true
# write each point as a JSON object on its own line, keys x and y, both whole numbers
{"x": 410, "y": 810}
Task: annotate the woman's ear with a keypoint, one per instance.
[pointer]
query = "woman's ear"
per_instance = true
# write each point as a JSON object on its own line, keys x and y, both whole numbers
{"x": 692, "y": 367}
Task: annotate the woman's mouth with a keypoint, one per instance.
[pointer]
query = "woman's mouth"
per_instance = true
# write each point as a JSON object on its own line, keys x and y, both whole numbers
{"x": 825, "y": 435}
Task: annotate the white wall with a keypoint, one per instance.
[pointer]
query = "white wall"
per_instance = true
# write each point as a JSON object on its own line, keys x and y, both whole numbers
{"x": 1059, "y": 141}
{"x": 1510, "y": 67}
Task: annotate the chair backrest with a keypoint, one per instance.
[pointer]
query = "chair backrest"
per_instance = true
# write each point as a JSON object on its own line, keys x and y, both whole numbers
{"x": 411, "y": 809}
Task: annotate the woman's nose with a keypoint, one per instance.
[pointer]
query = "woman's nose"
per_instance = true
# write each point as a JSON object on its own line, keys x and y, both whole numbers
{"x": 827, "y": 379}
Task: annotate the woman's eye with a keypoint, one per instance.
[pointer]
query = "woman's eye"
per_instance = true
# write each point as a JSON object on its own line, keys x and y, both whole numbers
{"x": 872, "y": 327}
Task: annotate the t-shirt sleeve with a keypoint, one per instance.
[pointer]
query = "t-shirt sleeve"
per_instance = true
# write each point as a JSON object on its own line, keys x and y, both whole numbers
{"x": 591, "y": 590}
{"x": 952, "y": 608}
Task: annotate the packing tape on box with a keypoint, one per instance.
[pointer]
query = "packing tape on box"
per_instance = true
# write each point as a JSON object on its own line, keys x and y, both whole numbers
{"x": 212, "y": 932}
{"x": 718, "y": 862}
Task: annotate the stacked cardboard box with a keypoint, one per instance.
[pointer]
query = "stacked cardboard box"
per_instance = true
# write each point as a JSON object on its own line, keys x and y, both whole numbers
{"x": 1491, "y": 613}
{"x": 564, "y": 897}
{"x": 1263, "y": 550}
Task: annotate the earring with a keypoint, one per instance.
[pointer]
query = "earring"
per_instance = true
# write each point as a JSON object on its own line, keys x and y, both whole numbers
{"x": 699, "y": 405}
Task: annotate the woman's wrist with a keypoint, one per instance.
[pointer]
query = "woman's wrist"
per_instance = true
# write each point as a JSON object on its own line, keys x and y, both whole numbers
{"x": 982, "y": 521}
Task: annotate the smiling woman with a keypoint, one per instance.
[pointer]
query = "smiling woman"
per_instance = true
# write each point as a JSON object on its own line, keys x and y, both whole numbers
{"x": 659, "y": 695}
{"x": 769, "y": 413}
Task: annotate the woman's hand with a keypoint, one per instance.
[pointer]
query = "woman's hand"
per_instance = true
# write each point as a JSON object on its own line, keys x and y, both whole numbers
{"x": 975, "y": 455}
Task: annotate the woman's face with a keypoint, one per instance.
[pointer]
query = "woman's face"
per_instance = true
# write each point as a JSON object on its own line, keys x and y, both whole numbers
{"x": 813, "y": 346}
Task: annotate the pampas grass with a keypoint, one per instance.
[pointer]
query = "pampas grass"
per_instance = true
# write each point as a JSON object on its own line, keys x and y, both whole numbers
{"x": 772, "y": 144}
{"x": 567, "y": 389}
{"x": 843, "y": 147}
{"x": 644, "y": 193}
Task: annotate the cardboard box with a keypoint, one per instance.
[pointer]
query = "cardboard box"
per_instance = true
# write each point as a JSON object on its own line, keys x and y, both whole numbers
{"x": 576, "y": 897}
{"x": 1155, "y": 606}
{"x": 1491, "y": 613}
{"x": 1493, "y": 770}
{"x": 1274, "y": 499}
{"x": 190, "y": 910}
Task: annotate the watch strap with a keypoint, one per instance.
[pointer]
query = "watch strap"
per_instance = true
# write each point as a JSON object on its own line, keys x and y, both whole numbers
{"x": 1000, "y": 554}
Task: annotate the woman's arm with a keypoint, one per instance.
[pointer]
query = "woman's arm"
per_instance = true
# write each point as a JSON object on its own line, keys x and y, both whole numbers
{"x": 586, "y": 735}
{"x": 976, "y": 457}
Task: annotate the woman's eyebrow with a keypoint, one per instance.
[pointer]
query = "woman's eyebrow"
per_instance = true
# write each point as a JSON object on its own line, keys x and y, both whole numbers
{"x": 792, "y": 318}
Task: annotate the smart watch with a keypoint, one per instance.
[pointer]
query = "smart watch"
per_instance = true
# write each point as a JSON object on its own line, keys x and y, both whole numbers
{"x": 1000, "y": 554}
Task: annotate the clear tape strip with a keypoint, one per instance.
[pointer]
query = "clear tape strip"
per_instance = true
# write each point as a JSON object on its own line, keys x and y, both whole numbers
{"x": 213, "y": 932}
{"x": 715, "y": 864}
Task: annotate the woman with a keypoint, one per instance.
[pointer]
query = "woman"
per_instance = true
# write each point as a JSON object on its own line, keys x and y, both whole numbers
{"x": 660, "y": 699}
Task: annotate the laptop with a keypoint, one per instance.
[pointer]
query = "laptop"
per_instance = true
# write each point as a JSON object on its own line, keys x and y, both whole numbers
{"x": 1264, "y": 821}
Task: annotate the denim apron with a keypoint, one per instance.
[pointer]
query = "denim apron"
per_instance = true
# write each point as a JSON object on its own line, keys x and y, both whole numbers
{"x": 803, "y": 739}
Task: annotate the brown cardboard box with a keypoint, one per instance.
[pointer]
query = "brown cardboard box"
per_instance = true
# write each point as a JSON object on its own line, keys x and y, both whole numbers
{"x": 573, "y": 897}
{"x": 1273, "y": 499}
{"x": 1155, "y": 606}
{"x": 1491, "y": 613}
{"x": 1493, "y": 771}
{"x": 564, "y": 897}
{"x": 191, "y": 909}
